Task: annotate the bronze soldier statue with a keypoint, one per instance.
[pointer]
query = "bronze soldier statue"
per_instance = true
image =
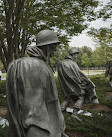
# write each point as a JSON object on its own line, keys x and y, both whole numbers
{"x": 109, "y": 71}
{"x": 75, "y": 85}
{"x": 32, "y": 98}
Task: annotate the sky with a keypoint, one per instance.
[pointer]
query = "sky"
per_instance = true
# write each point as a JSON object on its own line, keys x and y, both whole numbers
{"x": 83, "y": 39}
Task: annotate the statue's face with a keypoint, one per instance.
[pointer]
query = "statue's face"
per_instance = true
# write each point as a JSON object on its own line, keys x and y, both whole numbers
{"x": 52, "y": 49}
{"x": 75, "y": 55}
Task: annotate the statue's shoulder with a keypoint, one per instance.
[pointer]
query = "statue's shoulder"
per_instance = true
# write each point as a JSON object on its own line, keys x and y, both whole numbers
{"x": 65, "y": 62}
{"x": 27, "y": 60}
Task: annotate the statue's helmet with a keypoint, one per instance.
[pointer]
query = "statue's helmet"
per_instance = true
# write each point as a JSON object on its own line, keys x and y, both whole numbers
{"x": 46, "y": 37}
{"x": 73, "y": 50}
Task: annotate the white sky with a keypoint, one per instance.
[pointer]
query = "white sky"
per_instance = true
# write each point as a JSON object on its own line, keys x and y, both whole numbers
{"x": 83, "y": 39}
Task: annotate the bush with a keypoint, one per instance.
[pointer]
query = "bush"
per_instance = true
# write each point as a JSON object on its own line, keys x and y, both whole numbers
{"x": 102, "y": 86}
{"x": 2, "y": 86}
{"x": 100, "y": 80}
{"x": 3, "y": 102}
{"x": 4, "y": 132}
{"x": 108, "y": 102}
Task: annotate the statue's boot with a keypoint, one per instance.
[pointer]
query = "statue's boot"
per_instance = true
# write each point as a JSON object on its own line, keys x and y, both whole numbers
{"x": 65, "y": 103}
{"x": 74, "y": 115}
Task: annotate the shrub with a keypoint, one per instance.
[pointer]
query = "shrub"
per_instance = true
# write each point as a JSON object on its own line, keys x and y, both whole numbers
{"x": 3, "y": 102}
{"x": 108, "y": 102}
{"x": 2, "y": 86}
{"x": 102, "y": 86}
{"x": 4, "y": 132}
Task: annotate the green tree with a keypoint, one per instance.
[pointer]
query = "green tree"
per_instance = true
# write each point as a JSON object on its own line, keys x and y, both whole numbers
{"x": 22, "y": 19}
{"x": 106, "y": 11}
{"x": 82, "y": 51}
{"x": 86, "y": 61}
{"x": 59, "y": 55}
{"x": 103, "y": 52}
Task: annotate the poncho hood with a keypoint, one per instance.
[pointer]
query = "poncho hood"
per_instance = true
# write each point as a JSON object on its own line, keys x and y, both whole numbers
{"x": 34, "y": 51}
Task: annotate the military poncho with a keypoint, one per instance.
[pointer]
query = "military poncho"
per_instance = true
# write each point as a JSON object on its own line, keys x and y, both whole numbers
{"x": 74, "y": 82}
{"x": 32, "y": 96}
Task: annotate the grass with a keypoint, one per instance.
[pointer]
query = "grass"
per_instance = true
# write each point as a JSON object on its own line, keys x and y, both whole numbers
{"x": 4, "y": 132}
{"x": 96, "y": 126}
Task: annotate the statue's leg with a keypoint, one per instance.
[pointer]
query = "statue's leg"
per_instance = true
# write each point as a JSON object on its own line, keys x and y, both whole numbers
{"x": 78, "y": 104}
{"x": 76, "y": 107}
{"x": 35, "y": 131}
{"x": 65, "y": 103}
{"x": 93, "y": 96}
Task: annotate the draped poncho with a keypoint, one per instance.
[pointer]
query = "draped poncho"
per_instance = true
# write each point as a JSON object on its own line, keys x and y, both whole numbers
{"x": 32, "y": 97}
{"x": 73, "y": 81}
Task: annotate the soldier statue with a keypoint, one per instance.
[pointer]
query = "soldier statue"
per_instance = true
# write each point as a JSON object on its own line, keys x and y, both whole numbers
{"x": 109, "y": 71}
{"x": 32, "y": 98}
{"x": 75, "y": 86}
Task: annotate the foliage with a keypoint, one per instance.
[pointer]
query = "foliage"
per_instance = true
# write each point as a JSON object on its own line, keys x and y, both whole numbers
{"x": 81, "y": 57}
{"x": 59, "y": 55}
{"x": 99, "y": 57}
{"x": 103, "y": 39}
{"x": 102, "y": 87}
{"x": 2, "y": 86}
{"x": 96, "y": 126}
{"x": 3, "y": 102}
{"x": 108, "y": 102}
{"x": 2, "y": 92}
{"x": 4, "y": 132}
{"x": 86, "y": 61}
{"x": 21, "y": 20}
{"x": 106, "y": 11}
{"x": 1, "y": 65}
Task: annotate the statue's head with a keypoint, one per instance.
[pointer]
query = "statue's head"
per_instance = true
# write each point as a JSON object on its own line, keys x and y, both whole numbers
{"x": 47, "y": 41}
{"x": 73, "y": 52}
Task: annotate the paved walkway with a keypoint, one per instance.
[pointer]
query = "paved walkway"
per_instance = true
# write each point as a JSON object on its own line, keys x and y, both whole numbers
{"x": 90, "y": 74}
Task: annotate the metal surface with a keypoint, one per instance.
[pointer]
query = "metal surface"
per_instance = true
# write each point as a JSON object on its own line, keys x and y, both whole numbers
{"x": 46, "y": 37}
